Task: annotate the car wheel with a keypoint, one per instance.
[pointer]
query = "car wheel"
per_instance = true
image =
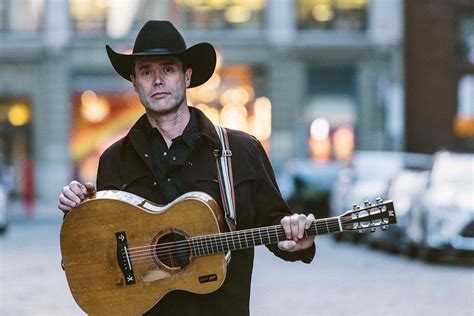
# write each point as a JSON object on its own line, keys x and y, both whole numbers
{"x": 409, "y": 249}
{"x": 431, "y": 254}
{"x": 338, "y": 237}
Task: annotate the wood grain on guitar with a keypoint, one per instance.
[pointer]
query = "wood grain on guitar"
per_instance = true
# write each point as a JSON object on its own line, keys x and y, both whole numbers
{"x": 122, "y": 253}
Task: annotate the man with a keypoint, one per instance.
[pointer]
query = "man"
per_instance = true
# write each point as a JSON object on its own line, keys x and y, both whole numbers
{"x": 169, "y": 151}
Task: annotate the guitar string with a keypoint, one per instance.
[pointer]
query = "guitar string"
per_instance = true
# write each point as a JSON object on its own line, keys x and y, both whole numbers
{"x": 239, "y": 233}
{"x": 225, "y": 237}
{"x": 177, "y": 255}
{"x": 177, "y": 252}
{"x": 206, "y": 244}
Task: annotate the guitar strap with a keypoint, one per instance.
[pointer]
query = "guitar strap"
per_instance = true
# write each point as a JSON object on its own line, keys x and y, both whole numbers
{"x": 225, "y": 178}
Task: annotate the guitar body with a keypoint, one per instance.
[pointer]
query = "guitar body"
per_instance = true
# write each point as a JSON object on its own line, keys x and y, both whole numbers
{"x": 112, "y": 265}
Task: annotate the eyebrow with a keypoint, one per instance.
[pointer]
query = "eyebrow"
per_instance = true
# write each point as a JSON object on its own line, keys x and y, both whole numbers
{"x": 164, "y": 62}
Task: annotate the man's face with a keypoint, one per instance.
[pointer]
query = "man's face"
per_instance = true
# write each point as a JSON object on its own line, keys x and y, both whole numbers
{"x": 161, "y": 83}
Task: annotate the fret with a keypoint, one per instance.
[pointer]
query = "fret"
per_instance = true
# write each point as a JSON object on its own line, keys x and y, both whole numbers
{"x": 233, "y": 241}
{"x": 276, "y": 232}
{"x": 240, "y": 241}
{"x": 327, "y": 227}
{"x": 193, "y": 252}
{"x": 260, "y": 235}
{"x": 268, "y": 234}
{"x": 315, "y": 228}
{"x": 227, "y": 241}
{"x": 246, "y": 241}
{"x": 217, "y": 244}
{"x": 209, "y": 245}
{"x": 197, "y": 250}
{"x": 200, "y": 247}
{"x": 253, "y": 239}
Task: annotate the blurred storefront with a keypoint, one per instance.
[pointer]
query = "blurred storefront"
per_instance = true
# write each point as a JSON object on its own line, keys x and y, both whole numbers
{"x": 309, "y": 78}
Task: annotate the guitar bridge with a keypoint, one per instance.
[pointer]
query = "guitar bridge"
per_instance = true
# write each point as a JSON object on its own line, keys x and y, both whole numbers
{"x": 123, "y": 258}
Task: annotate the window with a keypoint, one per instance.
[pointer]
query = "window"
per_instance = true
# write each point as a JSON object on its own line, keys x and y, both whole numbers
{"x": 466, "y": 38}
{"x": 464, "y": 121}
{"x": 332, "y": 14}
{"x": 117, "y": 18}
{"x": 21, "y": 15}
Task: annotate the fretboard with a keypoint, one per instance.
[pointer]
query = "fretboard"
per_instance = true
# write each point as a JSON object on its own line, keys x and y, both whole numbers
{"x": 242, "y": 239}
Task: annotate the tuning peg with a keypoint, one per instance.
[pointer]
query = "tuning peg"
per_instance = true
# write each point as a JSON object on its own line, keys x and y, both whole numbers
{"x": 379, "y": 200}
{"x": 361, "y": 231}
{"x": 355, "y": 207}
{"x": 367, "y": 203}
{"x": 372, "y": 229}
{"x": 384, "y": 227}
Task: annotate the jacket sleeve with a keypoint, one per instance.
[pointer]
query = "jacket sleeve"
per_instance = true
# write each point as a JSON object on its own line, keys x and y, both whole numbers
{"x": 271, "y": 207}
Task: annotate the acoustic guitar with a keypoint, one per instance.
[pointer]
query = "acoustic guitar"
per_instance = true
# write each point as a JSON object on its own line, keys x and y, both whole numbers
{"x": 122, "y": 254}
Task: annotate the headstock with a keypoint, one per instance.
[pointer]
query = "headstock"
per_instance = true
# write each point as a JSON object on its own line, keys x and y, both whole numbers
{"x": 370, "y": 216}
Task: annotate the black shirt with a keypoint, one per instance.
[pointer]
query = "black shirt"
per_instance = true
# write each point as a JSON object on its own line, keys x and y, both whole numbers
{"x": 168, "y": 162}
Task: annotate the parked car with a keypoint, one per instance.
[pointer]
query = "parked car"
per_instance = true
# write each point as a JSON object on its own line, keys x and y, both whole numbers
{"x": 369, "y": 176}
{"x": 443, "y": 219}
{"x": 404, "y": 189}
{"x": 5, "y": 180}
{"x": 305, "y": 185}
{"x": 366, "y": 178}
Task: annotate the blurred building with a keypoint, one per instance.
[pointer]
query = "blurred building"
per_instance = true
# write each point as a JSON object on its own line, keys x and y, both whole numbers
{"x": 307, "y": 77}
{"x": 439, "y": 75}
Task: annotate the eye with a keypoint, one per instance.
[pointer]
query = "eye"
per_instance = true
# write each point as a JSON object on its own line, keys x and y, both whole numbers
{"x": 169, "y": 69}
{"x": 145, "y": 72}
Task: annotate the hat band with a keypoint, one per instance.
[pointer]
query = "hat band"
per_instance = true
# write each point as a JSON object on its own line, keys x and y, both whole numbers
{"x": 156, "y": 51}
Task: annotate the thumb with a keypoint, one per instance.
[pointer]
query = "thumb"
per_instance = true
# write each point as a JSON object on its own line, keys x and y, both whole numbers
{"x": 90, "y": 187}
{"x": 286, "y": 245}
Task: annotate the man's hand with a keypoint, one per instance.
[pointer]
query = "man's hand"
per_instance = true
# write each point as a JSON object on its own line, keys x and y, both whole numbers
{"x": 73, "y": 193}
{"x": 294, "y": 227}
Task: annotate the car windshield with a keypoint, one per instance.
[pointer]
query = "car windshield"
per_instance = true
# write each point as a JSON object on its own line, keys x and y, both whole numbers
{"x": 455, "y": 172}
{"x": 380, "y": 166}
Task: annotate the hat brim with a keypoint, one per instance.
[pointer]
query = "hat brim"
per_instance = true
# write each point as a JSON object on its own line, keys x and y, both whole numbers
{"x": 201, "y": 58}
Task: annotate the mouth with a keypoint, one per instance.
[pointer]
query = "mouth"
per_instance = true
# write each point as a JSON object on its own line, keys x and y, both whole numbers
{"x": 160, "y": 94}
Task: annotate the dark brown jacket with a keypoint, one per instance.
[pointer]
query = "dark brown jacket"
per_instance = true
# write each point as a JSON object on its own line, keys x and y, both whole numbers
{"x": 126, "y": 166}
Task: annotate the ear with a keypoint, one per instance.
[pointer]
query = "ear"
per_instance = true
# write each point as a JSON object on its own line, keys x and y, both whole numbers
{"x": 132, "y": 78}
{"x": 187, "y": 76}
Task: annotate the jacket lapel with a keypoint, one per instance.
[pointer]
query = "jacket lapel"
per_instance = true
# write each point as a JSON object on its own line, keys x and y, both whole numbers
{"x": 139, "y": 143}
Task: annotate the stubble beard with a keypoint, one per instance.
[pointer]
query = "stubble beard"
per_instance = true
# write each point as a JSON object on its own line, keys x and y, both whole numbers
{"x": 166, "y": 110}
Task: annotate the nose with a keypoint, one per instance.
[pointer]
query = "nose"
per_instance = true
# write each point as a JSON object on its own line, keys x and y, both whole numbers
{"x": 157, "y": 80}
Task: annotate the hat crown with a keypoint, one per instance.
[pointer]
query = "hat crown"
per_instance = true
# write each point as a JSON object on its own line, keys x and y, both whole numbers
{"x": 159, "y": 36}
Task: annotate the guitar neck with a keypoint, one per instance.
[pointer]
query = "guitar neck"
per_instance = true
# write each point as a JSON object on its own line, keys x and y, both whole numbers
{"x": 242, "y": 239}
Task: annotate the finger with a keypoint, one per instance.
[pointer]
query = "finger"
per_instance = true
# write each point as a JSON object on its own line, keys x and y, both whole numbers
{"x": 66, "y": 201}
{"x": 90, "y": 187}
{"x": 68, "y": 193}
{"x": 294, "y": 226}
{"x": 301, "y": 225}
{"x": 64, "y": 208}
{"x": 287, "y": 245}
{"x": 309, "y": 221}
{"x": 285, "y": 223}
{"x": 78, "y": 189}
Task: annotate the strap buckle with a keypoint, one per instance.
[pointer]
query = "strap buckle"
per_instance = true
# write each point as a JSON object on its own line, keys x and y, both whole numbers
{"x": 222, "y": 153}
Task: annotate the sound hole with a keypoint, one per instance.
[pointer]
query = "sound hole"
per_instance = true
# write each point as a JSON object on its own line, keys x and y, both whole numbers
{"x": 173, "y": 250}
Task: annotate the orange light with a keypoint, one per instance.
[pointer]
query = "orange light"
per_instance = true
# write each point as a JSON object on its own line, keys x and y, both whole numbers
{"x": 343, "y": 139}
{"x": 19, "y": 114}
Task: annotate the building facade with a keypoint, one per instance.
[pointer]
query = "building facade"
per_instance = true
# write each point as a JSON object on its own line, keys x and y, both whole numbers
{"x": 283, "y": 65}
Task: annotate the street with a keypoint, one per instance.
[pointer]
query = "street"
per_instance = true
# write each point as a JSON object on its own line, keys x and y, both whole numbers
{"x": 343, "y": 280}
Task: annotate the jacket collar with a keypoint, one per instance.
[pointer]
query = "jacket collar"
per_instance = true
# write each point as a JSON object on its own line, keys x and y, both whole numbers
{"x": 137, "y": 134}
{"x": 206, "y": 128}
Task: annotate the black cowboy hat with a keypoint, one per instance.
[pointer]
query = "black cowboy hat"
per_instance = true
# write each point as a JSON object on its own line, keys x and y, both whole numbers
{"x": 161, "y": 38}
